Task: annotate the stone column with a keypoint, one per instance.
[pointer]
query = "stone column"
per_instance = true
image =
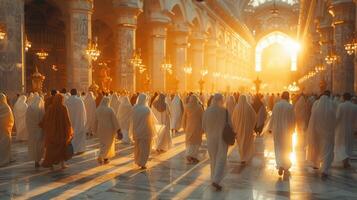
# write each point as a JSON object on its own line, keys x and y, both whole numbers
{"x": 157, "y": 53}
{"x": 211, "y": 63}
{"x": 180, "y": 58}
{"x": 12, "y": 69}
{"x": 80, "y": 32}
{"x": 125, "y": 45}
{"x": 326, "y": 39}
{"x": 343, "y": 70}
{"x": 197, "y": 46}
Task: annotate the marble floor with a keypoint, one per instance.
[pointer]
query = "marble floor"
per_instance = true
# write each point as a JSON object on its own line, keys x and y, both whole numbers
{"x": 169, "y": 177}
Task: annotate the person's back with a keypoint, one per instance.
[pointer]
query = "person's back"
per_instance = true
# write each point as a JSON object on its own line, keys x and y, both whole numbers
{"x": 282, "y": 125}
{"x": 106, "y": 127}
{"x": 143, "y": 130}
{"x": 213, "y": 123}
{"x": 78, "y": 118}
{"x": 346, "y": 120}
{"x": 58, "y": 132}
{"x": 321, "y": 134}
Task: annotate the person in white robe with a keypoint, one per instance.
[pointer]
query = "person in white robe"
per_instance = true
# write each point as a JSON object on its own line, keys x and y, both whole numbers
{"x": 230, "y": 104}
{"x": 78, "y": 118}
{"x": 90, "y": 106}
{"x": 243, "y": 122}
{"x": 115, "y": 103}
{"x": 321, "y": 133}
{"x": 30, "y": 98}
{"x": 142, "y": 128}
{"x": 213, "y": 123}
{"x": 282, "y": 125}
{"x": 6, "y": 125}
{"x": 346, "y": 119}
{"x": 162, "y": 114}
{"x": 124, "y": 116}
{"x": 20, "y": 108}
{"x": 106, "y": 128}
{"x": 34, "y": 115}
{"x": 192, "y": 124}
{"x": 176, "y": 112}
{"x": 301, "y": 114}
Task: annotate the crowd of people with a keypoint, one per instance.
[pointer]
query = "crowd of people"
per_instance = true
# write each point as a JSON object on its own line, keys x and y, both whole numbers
{"x": 58, "y": 122}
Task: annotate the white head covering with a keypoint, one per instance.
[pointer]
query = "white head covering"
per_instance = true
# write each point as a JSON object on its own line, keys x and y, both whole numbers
{"x": 142, "y": 100}
{"x": 125, "y": 113}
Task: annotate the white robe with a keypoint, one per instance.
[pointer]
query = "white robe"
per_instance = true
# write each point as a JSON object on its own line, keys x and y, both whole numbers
{"x": 164, "y": 141}
{"x": 346, "y": 117}
{"x": 34, "y": 115}
{"x": 282, "y": 125}
{"x": 176, "y": 113}
{"x": 142, "y": 128}
{"x": 114, "y": 104}
{"x": 78, "y": 118}
{"x": 106, "y": 127}
{"x": 213, "y": 123}
{"x": 321, "y": 133}
{"x": 243, "y": 121}
{"x": 20, "y": 109}
{"x": 90, "y": 106}
{"x": 6, "y": 124}
{"x": 124, "y": 117}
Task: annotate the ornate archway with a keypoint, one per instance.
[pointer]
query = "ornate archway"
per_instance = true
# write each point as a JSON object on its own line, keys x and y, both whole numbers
{"x": 277, "y": 37}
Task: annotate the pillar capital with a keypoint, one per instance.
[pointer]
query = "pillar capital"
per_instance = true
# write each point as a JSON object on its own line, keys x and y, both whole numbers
{"x": 127, "y": 12}
{"x": 84, "y": 6}
{"x": 158, "y": 29}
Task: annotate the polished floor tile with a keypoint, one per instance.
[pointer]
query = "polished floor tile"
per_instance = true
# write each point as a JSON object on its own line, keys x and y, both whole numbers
{"x": 169, "y": 177}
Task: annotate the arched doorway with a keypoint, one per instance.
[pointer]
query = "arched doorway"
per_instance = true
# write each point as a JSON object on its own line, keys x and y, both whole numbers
{"x": 276, "y": 60}
{"x": 277, "y": 37}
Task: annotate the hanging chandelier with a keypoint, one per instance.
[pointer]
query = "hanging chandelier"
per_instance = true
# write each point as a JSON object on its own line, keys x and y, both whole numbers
{"x": 204, "y": 72}
{"x": 331, "y": 57}
{"x": 42, "y": 55}
{"x": 351, "y": 46}
{"x": 167, "y": 66}
{"x": 92, "y": 50}
{"x": 2, "y": 32}
{"x": 136, "y": 60}
{"x": 187, "y": 70}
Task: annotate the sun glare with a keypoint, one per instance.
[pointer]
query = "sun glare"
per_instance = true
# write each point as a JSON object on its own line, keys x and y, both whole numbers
{"x": 290, "y": 45}
{"x": 293, "y": 153}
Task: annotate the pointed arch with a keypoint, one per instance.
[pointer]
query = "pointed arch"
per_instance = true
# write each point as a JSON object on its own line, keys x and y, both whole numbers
{"x": 281, "y": 38}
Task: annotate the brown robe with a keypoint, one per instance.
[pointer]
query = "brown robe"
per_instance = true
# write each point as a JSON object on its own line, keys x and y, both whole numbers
{"x": 57, "y": 131}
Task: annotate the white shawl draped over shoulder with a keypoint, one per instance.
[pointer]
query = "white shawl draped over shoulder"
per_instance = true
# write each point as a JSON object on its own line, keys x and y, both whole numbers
{"x": 106, "y": 127}
{"x": 34, "y": 115}
{"x": 90, "y": 106}
{"x": 78, "y": 118}
{"x": 243, "y": 121}
{"x": 142, "y": 125}
{"x": 321, "y": 133}
{"x": 176, "y": 112}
